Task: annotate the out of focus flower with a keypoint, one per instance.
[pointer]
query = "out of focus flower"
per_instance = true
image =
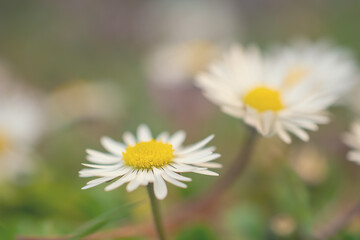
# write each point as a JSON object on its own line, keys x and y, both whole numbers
{"x": 143, "y": 160}
{"x": 22, "y": 121}
{"x": 352, "y": 139}
{"x": 182, "y": 21}
{"x": 310, "y": 164}
{"x": 85, "y": 100}
{"x": 333, "y": 69}
{"x": 175, "y": 65}
{"x": 269, "y": 96}
{"x": 283, "y": 225}
{"x": 171, "y": 70}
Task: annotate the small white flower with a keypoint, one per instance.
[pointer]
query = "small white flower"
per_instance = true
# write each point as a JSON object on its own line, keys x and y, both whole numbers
{"x": 182, "y": 60}
{"x": 22, "y": 121}
{"x": 143, "y": 159}
{"x": 176, "y": 21}
{"x": 352, "y": 139}
{"x": 271, "y": 94}
{"x": 81, "y": 99}
{"x": 333, "y": 69}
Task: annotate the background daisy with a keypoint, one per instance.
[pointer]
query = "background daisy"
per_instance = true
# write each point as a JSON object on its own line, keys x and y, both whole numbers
{"x": 22, "y": 122}
{"x": 269, "y": 94}
{"x": 352, "y": 139}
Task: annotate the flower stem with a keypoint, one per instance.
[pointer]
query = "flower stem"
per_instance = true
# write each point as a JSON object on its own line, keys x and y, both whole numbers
{"x": 156, "y": 212}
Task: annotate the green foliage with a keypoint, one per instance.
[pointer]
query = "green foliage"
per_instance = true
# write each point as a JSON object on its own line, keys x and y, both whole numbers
{"x": 197, "y": 232}
{"x": 101, "y": 221}
{"x": 246, "y": 222}
{"x": 6, "y": 232}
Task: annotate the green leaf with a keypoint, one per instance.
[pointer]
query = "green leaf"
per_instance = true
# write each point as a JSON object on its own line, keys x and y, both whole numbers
{"x": 99, "y": 222}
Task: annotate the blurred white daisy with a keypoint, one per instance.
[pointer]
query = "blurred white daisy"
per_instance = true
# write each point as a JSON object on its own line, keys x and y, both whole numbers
{"x": 273, "y": 98}
{"x": 84, "y": 100}
{"x": 352, "y": 139}
{"x": 182, "y": 60}
{"x": 179, "y": 21}
{"x": 144, "y": 159}
{"x": 22, "y": 121}
{"x": 319, "y": 61}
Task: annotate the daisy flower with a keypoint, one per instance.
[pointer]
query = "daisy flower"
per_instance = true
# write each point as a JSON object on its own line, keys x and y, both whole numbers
{"x": 352, "y": 139}
{"x": 83, "y": 100}
{"x": 273, "y": 96}
{"x": 142, "y": 160}
{"x": 177, "y": 21}
{"x": 317, "y": 61}
{"x": 183, "y": 61}
{"x": 22, "y": 120}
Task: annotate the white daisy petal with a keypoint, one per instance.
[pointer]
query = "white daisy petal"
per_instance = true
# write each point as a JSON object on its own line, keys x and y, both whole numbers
{"x": 90, "y": 186}
{"x": 102, "y": 166}
{"x": 196, "y": 146}
{"x": 163, "y": 137}
{"x": 101, "y": 173}
{"x": 129, "y": 139}
{"x": 206, "y": 159}
{"x": 177, "y": 139}
{"x": 142, "y": 177}
{"x": 100, "y": 180}
{"x": 209, "y": 165}
{"x": 112, "y": 146}
{"x": 160, "y": 188}
{"x": 175, "y": 175}
{"x": 144, "y": 133}
{"x": 150, "y": 176}
{"x": 132, "y": 185}
{"x": 207, "y": 172}
{"x": 173, "y": 181}
{"x": 191, "y": 158}
{"x": 352, "y": 139}
{"x": 97, "y": 182}
{"x": 126, "y": 178}
{"x": 180, "y": 167}
{"x": 102, "y": 158}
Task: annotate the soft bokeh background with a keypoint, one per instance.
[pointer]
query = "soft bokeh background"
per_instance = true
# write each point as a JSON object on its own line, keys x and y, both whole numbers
{"x": 87, "y": 62}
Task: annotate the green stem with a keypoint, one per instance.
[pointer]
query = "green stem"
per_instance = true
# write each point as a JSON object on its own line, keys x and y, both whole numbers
{"x": 156, "y": 212}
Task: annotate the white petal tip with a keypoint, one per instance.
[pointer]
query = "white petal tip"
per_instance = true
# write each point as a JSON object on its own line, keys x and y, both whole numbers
{"x": 160, "y": 197}
{"x": 108, "y": 189}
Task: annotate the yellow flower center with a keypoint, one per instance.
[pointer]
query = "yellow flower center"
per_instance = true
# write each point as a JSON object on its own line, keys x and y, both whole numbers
{"x": 264, "y": 99}
{"x": 295, "y": 75}
{"x": 4, "y": 142}
{"x": 147, "y": 155}
{"x": 198, "y": 55}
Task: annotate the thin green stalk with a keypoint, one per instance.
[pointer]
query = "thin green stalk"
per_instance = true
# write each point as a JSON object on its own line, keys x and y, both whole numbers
{"x": 156, "y": 212}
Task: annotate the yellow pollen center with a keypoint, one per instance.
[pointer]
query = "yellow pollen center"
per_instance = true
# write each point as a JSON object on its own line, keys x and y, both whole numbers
{"x": 198, "y": 55}
{"x": 295, "y": 75}
{"x": 264, "y": 99}
{"x": 4, "y": 142}
{"x": 147, "y": 155}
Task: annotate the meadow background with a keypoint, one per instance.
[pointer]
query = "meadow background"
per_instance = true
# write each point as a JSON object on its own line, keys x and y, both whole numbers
{"x": 58, "y": 48}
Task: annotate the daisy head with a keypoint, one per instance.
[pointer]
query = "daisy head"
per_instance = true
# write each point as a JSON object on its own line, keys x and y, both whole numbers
{"x": 182, "y": 60}
{"x": 144, "y": 159}
{"x": 270, "y": 95}
{"x": 22, "y": 122}
{"x": 352, "y": 139}
{"x": 320, "y": 61}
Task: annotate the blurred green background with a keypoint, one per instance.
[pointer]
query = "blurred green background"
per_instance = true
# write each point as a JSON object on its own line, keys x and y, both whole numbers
{"x": 55, "y": 45}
